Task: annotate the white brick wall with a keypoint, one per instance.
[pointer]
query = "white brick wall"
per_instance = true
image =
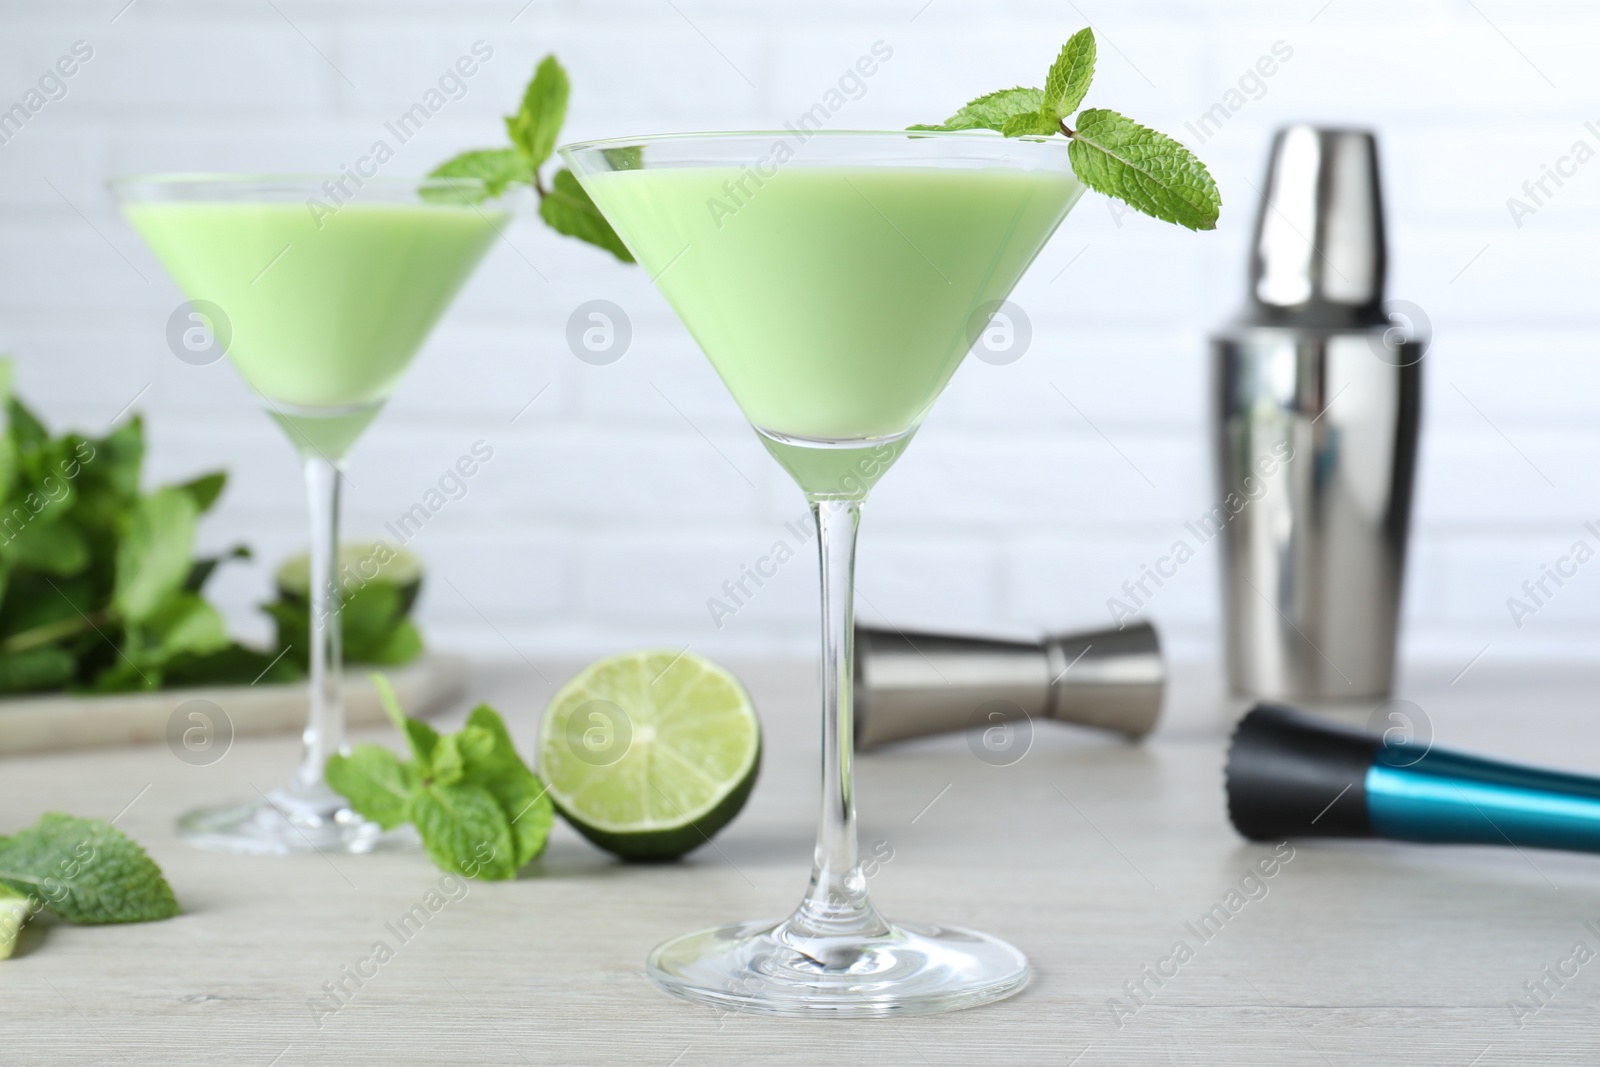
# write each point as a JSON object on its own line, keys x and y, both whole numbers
{"x": 605, "y": 519}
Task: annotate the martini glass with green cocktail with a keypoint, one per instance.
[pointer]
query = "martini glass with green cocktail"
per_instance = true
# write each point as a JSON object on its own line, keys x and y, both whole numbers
{"x": 835, "y": 285}
{"x": 321, "y": 306}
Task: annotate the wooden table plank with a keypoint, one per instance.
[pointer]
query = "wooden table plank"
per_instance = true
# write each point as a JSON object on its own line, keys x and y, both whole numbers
{"x": 1090, "y": 854}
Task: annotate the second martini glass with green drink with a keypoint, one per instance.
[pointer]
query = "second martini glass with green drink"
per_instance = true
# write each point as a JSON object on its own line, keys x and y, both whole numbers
{"x": 835, "y": 281}
{"x": 321, "y": 293}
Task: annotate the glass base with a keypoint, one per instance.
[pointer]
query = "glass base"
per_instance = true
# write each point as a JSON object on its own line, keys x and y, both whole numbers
{"x": 290, "y": 821}
{"x": 759, "y": 967}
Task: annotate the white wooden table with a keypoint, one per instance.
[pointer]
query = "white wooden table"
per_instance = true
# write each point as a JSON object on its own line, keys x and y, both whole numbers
{"x": 1090, "y": 854}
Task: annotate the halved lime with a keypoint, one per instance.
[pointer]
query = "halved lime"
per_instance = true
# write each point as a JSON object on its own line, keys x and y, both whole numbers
{"x": 649, "y": 753}
{"x": 15, "y": 910}
{"x": 360, "y": 562}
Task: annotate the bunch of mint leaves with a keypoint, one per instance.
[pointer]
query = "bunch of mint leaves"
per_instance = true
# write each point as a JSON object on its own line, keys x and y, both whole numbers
{"x": 479, "y": 810}
{"x": 1111, "y": 154}
{"x": 84, "y": 870}
{"x": 563, "y": 204}
{"x": 99, "y": 590}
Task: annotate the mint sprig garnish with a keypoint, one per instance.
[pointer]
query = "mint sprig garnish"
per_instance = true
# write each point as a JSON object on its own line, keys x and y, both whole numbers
{"x": 478, "y": 808}
{"x": 533, "y": 130}
{"x": 991, "y": 112}
{"x": 1110, "y": 153}
{"x": 84, "y": 870}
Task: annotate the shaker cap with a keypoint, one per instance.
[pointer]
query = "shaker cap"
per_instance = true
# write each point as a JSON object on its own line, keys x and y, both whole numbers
{"x": 1319, "y": 257}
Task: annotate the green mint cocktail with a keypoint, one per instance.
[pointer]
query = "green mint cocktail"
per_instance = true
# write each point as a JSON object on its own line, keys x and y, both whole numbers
{"x": 835, "y": 302}
{"x": 835, "y": 280}
{"x": 325, "y": 311}
{"x": 324, "y": 307}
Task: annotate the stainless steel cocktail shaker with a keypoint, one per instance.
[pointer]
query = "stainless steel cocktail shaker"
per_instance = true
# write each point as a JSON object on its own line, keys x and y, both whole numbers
{"x": 915, "y": 684}
{"x": 1315, "y": 410}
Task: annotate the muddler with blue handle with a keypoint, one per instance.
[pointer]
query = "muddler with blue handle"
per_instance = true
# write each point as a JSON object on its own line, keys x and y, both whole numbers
{"x": 1292, "y": 775}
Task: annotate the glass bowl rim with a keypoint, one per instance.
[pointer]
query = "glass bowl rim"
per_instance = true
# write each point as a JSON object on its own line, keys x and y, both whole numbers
{"x": 970, "y": 136}
{"x": 296, "y": 181}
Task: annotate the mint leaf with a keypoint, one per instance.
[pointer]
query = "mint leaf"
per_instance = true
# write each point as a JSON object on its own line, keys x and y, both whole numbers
{"x": 525, "y": 798}
{"x": 205, "y": 489}
{"x": 537, "y": 123}
{"x": 1069, "y": 76}
{"x": 153, "y": 558}
{"x": 497, "y": 168}
{"x": 200, "y": 570}
{"x": 568, "y": 209}
{"x": 85, "y": 871}
{"x": 627, "y": 157}
{"x": 185, "y": 623}
{"x": 991, "y": 112}
{"x": 118, "y": 457}
{"x": 1147, "y": 170}
{"x": 464, "y": 830}
{"x": 494, "y": 756}
{"x": 402, "y": 644}
{"x": 448, "y": 764}
{"x": 56, "y": 548}
{"x": 26, "y": 428}
{"x": 498, "y": 768}
{"x": 478, "y": 746}
{"x": 375, "y": 782}
{"x": 1030, "y": 123}
{"x": 422, "y": 738}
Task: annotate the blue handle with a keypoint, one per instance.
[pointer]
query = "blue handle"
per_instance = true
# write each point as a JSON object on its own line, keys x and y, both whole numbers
{"x": 1450, "y": 798}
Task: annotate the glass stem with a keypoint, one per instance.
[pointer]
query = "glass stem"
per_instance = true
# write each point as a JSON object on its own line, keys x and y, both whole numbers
{"x": 324, "y": 734}
{"x": 836, "y": 903}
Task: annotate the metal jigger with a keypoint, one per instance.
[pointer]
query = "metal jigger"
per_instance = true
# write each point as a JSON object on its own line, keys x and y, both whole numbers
{"x": 915, "y": 684}
{"x": 1316, "y": 404}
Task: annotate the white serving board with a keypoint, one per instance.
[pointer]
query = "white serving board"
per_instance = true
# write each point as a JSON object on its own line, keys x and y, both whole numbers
{"x": 70, "y": 720}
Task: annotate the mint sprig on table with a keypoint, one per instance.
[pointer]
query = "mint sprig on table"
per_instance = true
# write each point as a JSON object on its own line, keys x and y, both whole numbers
{"x": 1110, "y": 153}
{"x": 84, "y": 870}
{"x": 563, "y": 204}
{"x": 479, "y": 810}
